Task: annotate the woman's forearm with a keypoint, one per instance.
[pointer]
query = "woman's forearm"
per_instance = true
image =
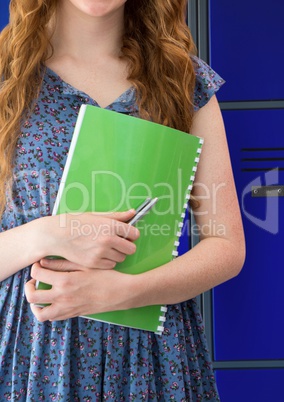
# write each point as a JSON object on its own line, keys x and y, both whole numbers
{"x": 107, "y": 242}
{"x": 213, "y": 261}
{"x": 21, "y": 247}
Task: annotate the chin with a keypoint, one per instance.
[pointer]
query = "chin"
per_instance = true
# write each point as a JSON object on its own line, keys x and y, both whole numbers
{"x": 101, "y": 8}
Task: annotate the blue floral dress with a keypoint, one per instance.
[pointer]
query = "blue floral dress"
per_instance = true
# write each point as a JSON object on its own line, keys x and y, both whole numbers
{"x": 79, "y": 359}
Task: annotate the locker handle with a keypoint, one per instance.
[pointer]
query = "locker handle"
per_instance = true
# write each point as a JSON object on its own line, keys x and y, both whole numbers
{"x": 267, "y": 191}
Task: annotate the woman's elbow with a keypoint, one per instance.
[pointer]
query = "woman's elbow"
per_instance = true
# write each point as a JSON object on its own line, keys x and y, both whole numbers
{"x": 239, "y": 255}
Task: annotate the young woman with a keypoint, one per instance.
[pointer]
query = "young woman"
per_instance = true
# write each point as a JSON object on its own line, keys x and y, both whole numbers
{"x": 133, "y": 56}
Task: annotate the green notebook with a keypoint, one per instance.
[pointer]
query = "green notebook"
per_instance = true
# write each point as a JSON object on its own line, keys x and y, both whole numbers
{"x": 115, "y": 161}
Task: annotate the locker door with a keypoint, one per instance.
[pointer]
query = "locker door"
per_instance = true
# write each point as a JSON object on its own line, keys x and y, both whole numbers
{"x": 248, "y": 319}
{"x": 246, "y": 48}
{"x": 250, "y": 385}
{"x": 4, "y": 13}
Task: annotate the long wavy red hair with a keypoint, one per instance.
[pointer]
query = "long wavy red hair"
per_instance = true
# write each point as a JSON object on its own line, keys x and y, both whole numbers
{"x": 157, "y": 45}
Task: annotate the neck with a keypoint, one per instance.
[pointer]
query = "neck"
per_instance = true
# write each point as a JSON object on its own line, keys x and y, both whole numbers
{"x": 85, "y": 37}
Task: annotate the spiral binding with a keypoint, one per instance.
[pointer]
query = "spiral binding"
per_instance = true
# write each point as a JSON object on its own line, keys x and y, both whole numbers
{"x": 187, "y": 198}
{"x": 164, "y": 309}
{"x": 162, "y": 319}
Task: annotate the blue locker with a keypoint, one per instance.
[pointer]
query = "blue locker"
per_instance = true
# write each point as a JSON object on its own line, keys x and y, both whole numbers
{"x": 248, "y": 319}
{"x": 184, "y": 239}
{"x": 4, "y": 7}
{"x": 250, "y": 385}
{"x": 246, "y": 48}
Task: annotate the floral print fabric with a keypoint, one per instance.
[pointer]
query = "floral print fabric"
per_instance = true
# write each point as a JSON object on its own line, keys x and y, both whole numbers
{"x": 79, "y": 359}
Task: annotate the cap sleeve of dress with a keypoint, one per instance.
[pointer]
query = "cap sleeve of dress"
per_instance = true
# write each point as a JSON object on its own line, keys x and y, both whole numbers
{"x": 207, "y": 83}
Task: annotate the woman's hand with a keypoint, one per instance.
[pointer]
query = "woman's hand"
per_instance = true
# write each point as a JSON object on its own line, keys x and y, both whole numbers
{"x": 77, "y": 290}
{"x": 93, "y": 240}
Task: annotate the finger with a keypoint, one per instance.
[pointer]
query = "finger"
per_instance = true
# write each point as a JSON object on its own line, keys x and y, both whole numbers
{"x": 127, "y": 231}
{"x": 108, "y": 261}
{"x": 115, "y": 256}
{"x": 123, "y": 216}
{"x": 123, "y": 246}
{"x": 30, "y": 289}
{"x": 46, "y": 275}
{"x": 104, "y": 263}
{"x": 68, "y": 266}
{"x": 37, "y": 297}
{"x": 36, "y": 311}
{"x": 43, "y": 314}
{"x": 52, "y": 313}
{"x": 59, "y": 265}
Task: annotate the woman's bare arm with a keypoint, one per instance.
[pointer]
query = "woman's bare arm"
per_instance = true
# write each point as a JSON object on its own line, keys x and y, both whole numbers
{"x": 218, "y": 257}
{"x": 108, "y": 242}
{"x": 220, "y": 254}
{"x": 20, "y": 247}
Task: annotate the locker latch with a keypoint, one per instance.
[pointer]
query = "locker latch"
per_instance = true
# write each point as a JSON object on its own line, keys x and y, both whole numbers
{"x": 267, "y": 191}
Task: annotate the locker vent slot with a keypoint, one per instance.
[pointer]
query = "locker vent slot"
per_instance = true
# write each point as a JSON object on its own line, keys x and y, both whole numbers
{"x": 262, "y": 159}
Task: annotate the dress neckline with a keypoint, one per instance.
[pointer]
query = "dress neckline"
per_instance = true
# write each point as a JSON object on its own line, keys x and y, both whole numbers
{"x": 125, "y": 98}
